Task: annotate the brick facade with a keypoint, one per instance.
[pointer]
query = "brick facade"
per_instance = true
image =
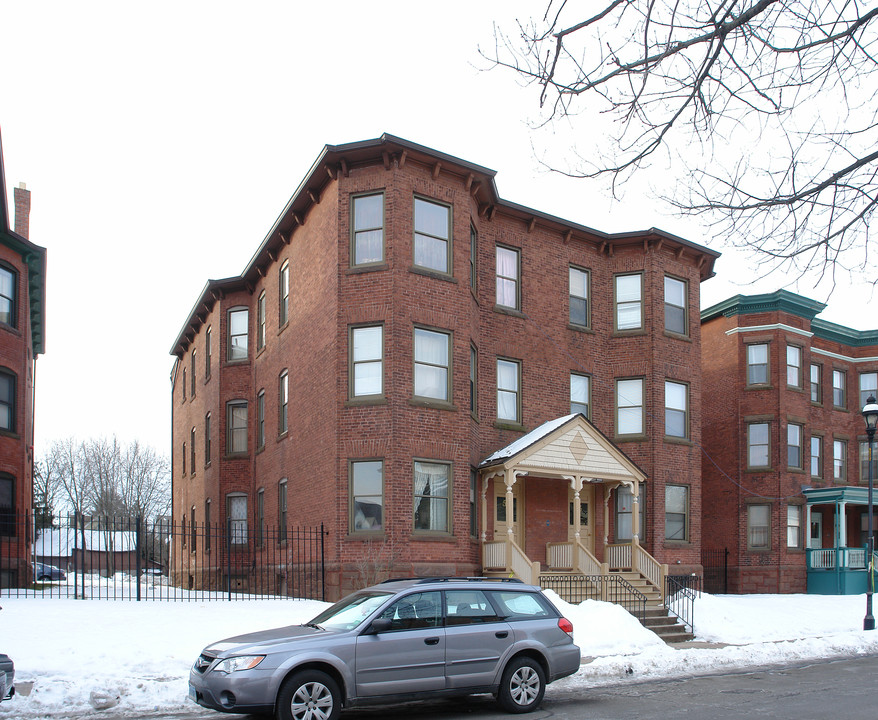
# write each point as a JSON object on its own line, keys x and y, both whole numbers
{"x": 329, "y": 428}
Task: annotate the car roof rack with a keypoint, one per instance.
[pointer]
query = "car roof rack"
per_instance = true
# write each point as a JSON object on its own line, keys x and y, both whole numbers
{"x": 423, "y": 580}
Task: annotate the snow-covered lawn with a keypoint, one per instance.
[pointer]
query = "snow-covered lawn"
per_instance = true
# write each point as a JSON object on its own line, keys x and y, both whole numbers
{"x": 83, "y": 655}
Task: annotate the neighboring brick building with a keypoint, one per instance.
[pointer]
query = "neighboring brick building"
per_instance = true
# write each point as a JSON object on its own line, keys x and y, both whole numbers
{"x": 398, "y": 325}
{"x": 22, "y": 334}
{"x": 786, "y": 457}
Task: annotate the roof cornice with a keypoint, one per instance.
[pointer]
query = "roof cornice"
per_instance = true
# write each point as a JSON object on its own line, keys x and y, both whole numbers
{"x": 778, "y": 301}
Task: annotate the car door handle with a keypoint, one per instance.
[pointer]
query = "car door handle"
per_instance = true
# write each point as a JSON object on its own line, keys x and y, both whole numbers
{"x": 431, "y": 641}
{"x": 502, "y": 634}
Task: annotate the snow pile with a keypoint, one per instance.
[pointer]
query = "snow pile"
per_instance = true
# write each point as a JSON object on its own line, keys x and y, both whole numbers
{"x": 85, "y": 657}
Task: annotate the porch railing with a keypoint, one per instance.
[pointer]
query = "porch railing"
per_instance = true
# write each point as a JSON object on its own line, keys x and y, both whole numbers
{"x": 619, "y": 556}
{"x": 508, "y": 557}
{"x": 588, "y": 563}
{"x": 843, "y": 558}
{"x": 560, "y": 556}
{"x": 494, "y": 555}
{"x": 649, "y": 567}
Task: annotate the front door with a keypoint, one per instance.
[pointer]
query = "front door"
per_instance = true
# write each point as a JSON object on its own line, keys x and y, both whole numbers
{"x": 500, "y": 511}
{"x": 586, "y": 505}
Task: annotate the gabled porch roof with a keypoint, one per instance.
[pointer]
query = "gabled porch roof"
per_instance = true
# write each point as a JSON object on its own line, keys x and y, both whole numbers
{"x": 565, "y": 447}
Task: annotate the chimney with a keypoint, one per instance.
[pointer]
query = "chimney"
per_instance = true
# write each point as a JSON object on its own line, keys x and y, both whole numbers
{"x": 22, "y": 210}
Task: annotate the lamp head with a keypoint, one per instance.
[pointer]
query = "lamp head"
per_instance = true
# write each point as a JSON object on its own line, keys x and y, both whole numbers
{"x": 870, "y": 413}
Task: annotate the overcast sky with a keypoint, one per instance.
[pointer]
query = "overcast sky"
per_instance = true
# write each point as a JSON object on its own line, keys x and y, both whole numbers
{"x": 161, "y": 140}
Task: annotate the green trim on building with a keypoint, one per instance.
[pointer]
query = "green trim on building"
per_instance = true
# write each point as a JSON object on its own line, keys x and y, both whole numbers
{"x": 35, "y": 259}
{"x": 778, "y": 301}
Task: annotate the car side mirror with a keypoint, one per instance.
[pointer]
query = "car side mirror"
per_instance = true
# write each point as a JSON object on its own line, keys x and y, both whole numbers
{"x": 379, "y": 625}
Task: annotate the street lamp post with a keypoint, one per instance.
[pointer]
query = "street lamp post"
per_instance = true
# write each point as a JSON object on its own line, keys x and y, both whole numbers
{"x": 870, "y": 413}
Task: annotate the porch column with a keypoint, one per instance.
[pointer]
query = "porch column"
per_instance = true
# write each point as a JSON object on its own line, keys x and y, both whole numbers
{"x": 807, "y": 529}
{"x": 509, "y": 481}
{"x": 635, "y": 512}
{"x": 607, "y": 516}
{"x": 841, "y": 526}
{"x": 576, "y": 486}
{"x": 486, "y": 480}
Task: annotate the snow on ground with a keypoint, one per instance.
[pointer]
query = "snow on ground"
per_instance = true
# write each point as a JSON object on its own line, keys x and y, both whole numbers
{"x": 83, "y": 655}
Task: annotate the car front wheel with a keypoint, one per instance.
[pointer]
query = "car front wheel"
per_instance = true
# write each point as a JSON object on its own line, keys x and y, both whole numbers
{"x": 523, "y": 686}
{"x": 309, "y": 695}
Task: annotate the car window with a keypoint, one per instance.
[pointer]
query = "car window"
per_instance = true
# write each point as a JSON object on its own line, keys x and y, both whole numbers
{"x": 418, "y": 610}
{"x": 467, "y": 607}
{"x": 349, "y": 612}
{"x": 521, "y": 605}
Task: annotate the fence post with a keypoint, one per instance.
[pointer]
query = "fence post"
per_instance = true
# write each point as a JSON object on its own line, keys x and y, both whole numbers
{"x": 138, "y": 549}
{"x": 322, "y": 567}
{"x": 229, "y": 556}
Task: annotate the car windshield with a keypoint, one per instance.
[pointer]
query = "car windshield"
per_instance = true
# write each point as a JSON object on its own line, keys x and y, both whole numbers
{"x": 346, "y": 614}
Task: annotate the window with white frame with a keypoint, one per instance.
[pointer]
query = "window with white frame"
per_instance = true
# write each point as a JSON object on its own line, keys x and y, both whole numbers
{"x": 839, "y": 391}
{"x": 816, "y": 371}
{"x": 758, "y": 436}
{"x": 629, "y": 301}
{"x": 260, "y": 321}
{"x": 816, "y": 456}
{"x": 7, "y": 401}
{"x": 579, "y": 311}
{"x": 864, "y": 462}
{"x": 367, "y": 242}
{"x": 794, "y": 527}
{"x": 839, "y": 459}
{"x": 676, "y": 306}
{"x": 283, "y": 291}
{"x": 508, "y": 390}
{"x": 629, "y": 406}
{"x": 260, "y": 419}
{"x": 236, "y": 512}
{"x": 432, "y": 242}
{"x": 367, "y": 361}
{"x": 432, "y": 497}
{"x": 624, "y": 511}
{"x": 676, "y": 409}
{"x": 757, "y": 364}
{"x": 676, "y": 512}
{"x": 868, "y": 387}
{"x": 8, "y": 284}
{"x": 283, "y": 399}
{"x": 432, "y": 376}
{"x": 758, "y": 527}
{"x": 236, "y": 423}
{"x": 580, "y": 393}
{"x": 795, "y": 435}
{"x": 794, "y": 366}
{"x": 367, "y": 495}
{"x": 237, "y": 340}
{"x": 508, "y": 278}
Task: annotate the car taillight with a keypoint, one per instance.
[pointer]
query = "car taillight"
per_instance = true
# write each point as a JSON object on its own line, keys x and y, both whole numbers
{"x": 566, "y": 626}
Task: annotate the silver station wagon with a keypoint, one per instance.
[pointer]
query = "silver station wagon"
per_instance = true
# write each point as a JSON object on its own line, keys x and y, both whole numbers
{"x": 400, "y": 640}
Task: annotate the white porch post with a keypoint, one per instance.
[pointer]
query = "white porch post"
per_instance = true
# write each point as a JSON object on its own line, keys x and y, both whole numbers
{"x": 576, "y": 486}
{"x": 635, "y": 512}
{"x": 807, "y": 529}
{"x": 486, "y": 479}
{"x": 842, "y": 525}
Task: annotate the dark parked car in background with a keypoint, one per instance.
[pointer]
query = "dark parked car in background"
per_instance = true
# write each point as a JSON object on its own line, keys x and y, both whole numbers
{"x": 48, "y": 572}
{"x": 400, "y": 640}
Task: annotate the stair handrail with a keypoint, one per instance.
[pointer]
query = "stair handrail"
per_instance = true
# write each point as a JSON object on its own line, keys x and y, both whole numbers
{"x": 587, "y": 563}
{"x": 633, "y": 600}
{"x": 679, "y": 600}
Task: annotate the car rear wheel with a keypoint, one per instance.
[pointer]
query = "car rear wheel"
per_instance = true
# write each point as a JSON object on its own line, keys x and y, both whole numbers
{"x": 523, "y": 686}
{"x": 309, "y": 695}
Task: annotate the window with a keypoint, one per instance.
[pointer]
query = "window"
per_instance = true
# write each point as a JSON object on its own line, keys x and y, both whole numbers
{"x": 8, "y": 283}
{"x": 473, "y": 378}
{"x": 367, "y": 361}
{"x": 282, "y": 511}
{"x": 7, "y": 505}
{"x": 758, "y": 526}
{"x": 839, "y": 459}
{"x": 509, "y": 390}
{"x": 629, "y": 407}
{"x": 207, "y": 439}
{"x": 236, "y": 508}
{"x": 676, "y": 409}
{"x": 7, "y": 401}
{"x": 283, "y": 397}
{"x": 283, "y": 292}
{"x": 676, "y": 512}
{"x": 208, "y": 351}
{"x": 236, "y": 420}
{"x": 816, "y": 388}
{"x": 794, "y": 366}
{"x": 432, "y": 497}
{"x": 757, "y": 364}
{"x": 238, "y": 320}
{"x": 260, "y": 517}
{"x": 868, "y": 387}
{"x": 473, "y": 256}
{"x": 183, "y": 456}
{"x": 472, "y": 607}
{"x": 794, "y": 446}
{"x": 580, "y": 393}
{"x": 676, "y": 314}
{"x": 578, "y": 292}
{"x": 816, "y": 456}
{"x": 192, "y": 374}
{"x": 207, "y": 526}
{"x": 260, "y": 321}
{"x": 757, "y": 445}
{"x": 367, "y": 495}
{"x": 794, "y": 527}
{"x": 368, "y": 229}
{"x": 839, "y": 395}
{"x": 192, "y": 450}
{"x": 260, "y": 419}
{"x": 625, "y": 506}
{"x": 432, "y": 236}
{"x": 629, "y": 302}
{"x": 183, "y": 384}
{"x": 193, "y": 529}
{"x": 415, "y": 611}
{"x": 864, "y": 462}
{"x": 432, "y": 364}
{"x": 508, "y": 272}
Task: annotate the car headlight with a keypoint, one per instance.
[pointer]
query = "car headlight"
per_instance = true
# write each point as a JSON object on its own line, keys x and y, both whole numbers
{"x": 241, "y": 662}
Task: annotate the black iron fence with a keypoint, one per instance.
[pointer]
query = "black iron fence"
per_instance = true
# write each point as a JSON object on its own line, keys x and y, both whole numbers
{"x": 680, "y": 594}
{"x": 123, "y": 558}
{"x": 716, "y": 570}
{"x": 609, "y": 588}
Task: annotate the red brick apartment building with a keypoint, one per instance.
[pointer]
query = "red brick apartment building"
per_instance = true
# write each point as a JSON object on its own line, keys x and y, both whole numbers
{"x": 407, "y": 356}
{"x": 22, "y": 334}
{"x": 786, "y": 461}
